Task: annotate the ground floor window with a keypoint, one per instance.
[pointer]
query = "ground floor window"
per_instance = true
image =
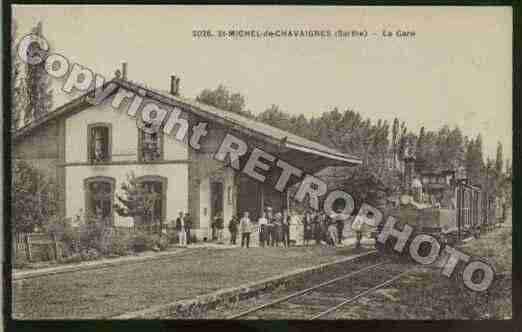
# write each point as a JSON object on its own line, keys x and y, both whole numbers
{"x": 99, "y": 193}
{"x": 154, "y": 201}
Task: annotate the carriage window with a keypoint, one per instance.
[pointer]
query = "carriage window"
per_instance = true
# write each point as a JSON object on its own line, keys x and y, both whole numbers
{"x": 99, "y": 199}
{"x": 150, "y": 146}
{"x": 99, "y": 143}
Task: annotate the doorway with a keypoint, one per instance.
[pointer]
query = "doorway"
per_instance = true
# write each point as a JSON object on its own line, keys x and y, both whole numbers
{"x": 216, "y": 203}
{"x": 249, "y": 197}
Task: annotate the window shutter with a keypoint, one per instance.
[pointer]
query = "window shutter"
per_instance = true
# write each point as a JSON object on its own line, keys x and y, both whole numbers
{"x": 106, "y": 143}
{"x": 91, "y": 144}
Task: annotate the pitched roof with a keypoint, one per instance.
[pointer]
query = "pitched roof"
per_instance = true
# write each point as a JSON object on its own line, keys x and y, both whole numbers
{"x": 241, "y": 122}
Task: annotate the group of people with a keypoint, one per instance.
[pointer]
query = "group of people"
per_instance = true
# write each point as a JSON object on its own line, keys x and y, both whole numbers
{"x": 182, "y": 225}
{"x": 322, "y": 227}
{"x": 273, "y": 228}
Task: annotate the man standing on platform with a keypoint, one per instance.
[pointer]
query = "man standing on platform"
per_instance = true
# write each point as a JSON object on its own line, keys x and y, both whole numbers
{"x": 219, "y": 224}
{"x": 339, "y": 219}
{"x": 307, "y": 227}
{"x": 359, "y": 226}
{"x": 246, "y": 228}
{"x": 285, "y": 228}
{"x": 182, "y": 235}
{"x": 263, "y": 229}
{"x": 187, "y": 223}
{"x": 270, "y": 227}
{"x": 178, "y": 226}
{"x": 232, "y": 228}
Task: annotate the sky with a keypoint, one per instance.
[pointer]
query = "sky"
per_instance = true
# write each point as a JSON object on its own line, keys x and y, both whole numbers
{"x": 457, "y": 70}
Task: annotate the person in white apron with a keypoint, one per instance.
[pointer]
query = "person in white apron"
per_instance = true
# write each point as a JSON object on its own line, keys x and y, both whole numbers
{"x": 358, "y": 226}
{"x": 182, "y": 235}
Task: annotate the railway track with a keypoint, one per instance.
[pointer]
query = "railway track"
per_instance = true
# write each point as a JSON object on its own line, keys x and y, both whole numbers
{"x": 325, "y": 298}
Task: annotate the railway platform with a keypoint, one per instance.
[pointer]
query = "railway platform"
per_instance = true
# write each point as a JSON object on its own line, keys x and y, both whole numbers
{"x": 119, "y": 290}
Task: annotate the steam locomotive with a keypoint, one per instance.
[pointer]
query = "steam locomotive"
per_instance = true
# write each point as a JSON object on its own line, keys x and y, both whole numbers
{"x": 469, "y": 212}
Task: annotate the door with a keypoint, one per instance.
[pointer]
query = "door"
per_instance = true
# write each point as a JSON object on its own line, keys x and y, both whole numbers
{"x": 249, "y": 197}
{"x": 216, "y": 199}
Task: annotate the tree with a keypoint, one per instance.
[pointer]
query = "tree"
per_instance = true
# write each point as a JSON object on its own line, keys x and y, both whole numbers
{"x": 507, "y": 183}
{"x": 395, "y": 137}
{"x": 299, "y": 125}
{"x": 18, "y": 90}
{"x": 509, "y": 169}
{"x": 34, "y": 197}
{"x": 367, "y": 187}
{"x": 474, "y": 163}
{"x": 38, "y": 83}
{"x": 499, "y": 161}
{"x": 274, "y": 116}
{"x": 403, "y": 140}
{"x": 349, "y": 132}
{"x": 455, "y": 149}
{"x": 137, "y": 202}
{"x": 222, "y": 98}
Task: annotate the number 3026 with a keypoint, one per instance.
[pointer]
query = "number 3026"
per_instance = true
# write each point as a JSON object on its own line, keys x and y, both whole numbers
{"x": 201, "y": 33}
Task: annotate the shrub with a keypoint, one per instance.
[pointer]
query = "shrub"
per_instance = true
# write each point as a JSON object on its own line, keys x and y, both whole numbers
{"x": 142, "y": 241}
{"x": 89, "y": 254}
{"x": 174, "y": 238}
{"x": 118, "y": 245}
{"x": 73, "y": 258}
{"x": 162, "y": 243}
{"x": 91, "y": 236}
{"x": 193, "y": 238}
{"x": 21, "y": 264}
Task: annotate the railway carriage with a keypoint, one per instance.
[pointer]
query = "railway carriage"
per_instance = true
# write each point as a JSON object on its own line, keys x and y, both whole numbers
{"x": 470, "y": 211}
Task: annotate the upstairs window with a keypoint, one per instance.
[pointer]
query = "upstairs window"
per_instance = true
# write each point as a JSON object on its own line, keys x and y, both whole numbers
{"x": 99, "y": 143}
{"x": 150, "y": 146}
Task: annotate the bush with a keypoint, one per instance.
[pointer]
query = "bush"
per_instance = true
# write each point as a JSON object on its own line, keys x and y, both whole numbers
{"x": 73, "y": 258}
{"x": 87, "y": 236}
{"x": 91, "y": 236}
{"x": 118, "y": 245}
{"x": 174, "y": 238}
{"x": 193, "y": 238}
{"x": 142, "y": 241}
{"x": 162, "y": 243}
{"x": 21, "y": 264}
{"x": 89, "y": 254}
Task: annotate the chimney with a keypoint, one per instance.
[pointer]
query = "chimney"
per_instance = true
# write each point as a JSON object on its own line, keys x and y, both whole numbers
{"x": 124, "y": 71}
{"x": 174, "y": 85}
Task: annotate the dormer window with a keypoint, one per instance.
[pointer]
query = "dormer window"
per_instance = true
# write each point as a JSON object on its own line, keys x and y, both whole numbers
{"x": 150, "y": 146}
{"x": 99, "y": 143}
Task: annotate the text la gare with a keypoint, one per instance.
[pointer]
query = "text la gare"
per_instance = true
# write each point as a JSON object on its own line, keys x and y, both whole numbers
{"x": 398, "y": 33}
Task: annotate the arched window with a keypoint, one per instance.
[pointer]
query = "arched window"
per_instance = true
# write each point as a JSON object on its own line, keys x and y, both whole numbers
{"x": 99, "y": 198}
{"x": 155, "y": 189}
{"x": 99, "y": 138}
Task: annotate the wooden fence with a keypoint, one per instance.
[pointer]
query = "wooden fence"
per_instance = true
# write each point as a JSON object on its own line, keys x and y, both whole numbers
{"x": 35, "y": 247}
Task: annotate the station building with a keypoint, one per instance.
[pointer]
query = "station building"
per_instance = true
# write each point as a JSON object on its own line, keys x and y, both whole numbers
{"x": 91, "y": 149}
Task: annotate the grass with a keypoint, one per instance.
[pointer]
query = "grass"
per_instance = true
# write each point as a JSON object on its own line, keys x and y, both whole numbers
{"x": 112, "y": 291}
{"x": 426, "y": 294}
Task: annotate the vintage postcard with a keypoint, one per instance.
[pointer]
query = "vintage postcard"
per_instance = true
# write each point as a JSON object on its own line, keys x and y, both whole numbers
{"x": 260, "y": 162}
